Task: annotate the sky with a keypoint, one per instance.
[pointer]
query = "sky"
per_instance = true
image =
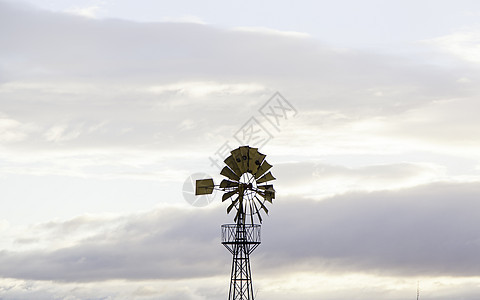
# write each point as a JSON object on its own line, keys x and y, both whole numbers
{"x": 366, "y": 109}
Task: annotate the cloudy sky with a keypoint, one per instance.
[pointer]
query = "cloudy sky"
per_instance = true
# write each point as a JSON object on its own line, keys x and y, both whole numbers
{"x": 368, "y": 111}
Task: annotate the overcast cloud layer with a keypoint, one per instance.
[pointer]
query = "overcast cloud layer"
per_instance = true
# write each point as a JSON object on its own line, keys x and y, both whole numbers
{"x": 102, "y": 120}
{"x": 427, "y": 230}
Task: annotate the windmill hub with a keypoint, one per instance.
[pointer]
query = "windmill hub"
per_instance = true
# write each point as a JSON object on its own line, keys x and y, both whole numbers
{"x": 247, "y": 185}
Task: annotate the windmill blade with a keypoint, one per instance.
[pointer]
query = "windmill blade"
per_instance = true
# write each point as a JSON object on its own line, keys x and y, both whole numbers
{"x": 241, "y": 158}
{"x": 231, "y": 162}
{"x": 229, "y": 173}
{"x": 228, "y": 194}
{"x": 268, "y": 193}
{"x": 237, "y": 157}
{"x": 232, "y": 205}
{"x": 266, "y": 187}
{"x": 244, "y": 151}
{"x": 267, "y": 196}
{"x": 271, "y": 191}
{"x": 257, "y": 212}
{"x": 266, "y": 177}
{"x": 204, "y": 186}
{"x": 264, "y": 167}
{"x": 262, "y": 205}
{"x": 255, "y": 159}
{"x": 228, "y": 184}
{"x": 244, "y": 158}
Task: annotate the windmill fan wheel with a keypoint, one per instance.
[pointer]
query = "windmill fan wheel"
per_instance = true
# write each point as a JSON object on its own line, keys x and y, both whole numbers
{"x": 246, "y": 185}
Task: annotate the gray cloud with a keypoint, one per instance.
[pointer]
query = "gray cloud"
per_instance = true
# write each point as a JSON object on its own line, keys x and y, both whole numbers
{"x": 427, "y": 230}
{"x": 159, "y": 244}
{"x": 88, "y": 80}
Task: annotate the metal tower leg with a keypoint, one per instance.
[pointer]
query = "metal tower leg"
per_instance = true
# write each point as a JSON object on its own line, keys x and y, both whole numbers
{"x": 241, "y": 278}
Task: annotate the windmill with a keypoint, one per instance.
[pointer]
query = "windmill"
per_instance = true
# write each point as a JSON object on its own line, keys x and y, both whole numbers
{"x": 418, "y": 289}
{"x": 247, "y": 188}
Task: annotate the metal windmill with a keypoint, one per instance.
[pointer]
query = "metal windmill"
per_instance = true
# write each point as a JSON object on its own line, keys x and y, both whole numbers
{"x": 247, "y": 188}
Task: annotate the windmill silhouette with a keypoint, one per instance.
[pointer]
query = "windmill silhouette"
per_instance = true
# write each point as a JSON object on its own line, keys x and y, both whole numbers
{"x": 248, "y": 190}
{"x": 418, "y": 290}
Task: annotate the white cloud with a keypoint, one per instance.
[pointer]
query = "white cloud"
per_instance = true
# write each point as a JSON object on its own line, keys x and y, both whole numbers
{"x": 12, "y": 131}
{"x": 87, "y": 12}
{"x": 446, "y": 126}
{"x": 8, "y": 130}
{"x": 184, "y": 19}
{"x": 270, "y": 31}
{"x": 464, "y": 44}
{"x": 40, "y": 86}
{"x": 308, "y": 286}
{"x": 314, "y": 285}
{"x": 60, "y": 133}
{"x": 111, "y": 289}
{"x": 204, "y": 89}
